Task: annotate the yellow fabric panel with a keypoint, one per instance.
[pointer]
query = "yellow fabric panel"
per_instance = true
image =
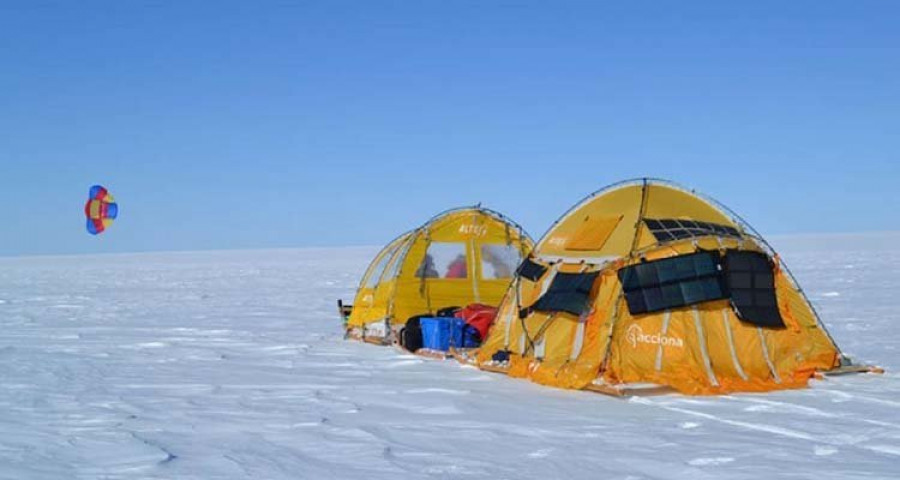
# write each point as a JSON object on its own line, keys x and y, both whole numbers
{"x": 559, "y": 370}
{"x": 748, "y": 346}
{"x": 376, "y": 309}
{"x": 597, "y": 328}
{"x": 362, "y": 307}
{"x": 593, "y": 233}
{"x": 530, "y": 291}
{"x": 636, "y": 344}
{"x": 718, "y": 322}
{"x": 636, "y": 347}
{"x": 558, "y": 337}
{"x": 662, "y": 201}
{"x": 530, "y": 324}
{"x": 802, "y": 347}
{"x": 464, "y": 225}
{"x": 623, "y": 201}
{"x": 371, "y": 304}
{"x": 667, "y": 202}
{"x": 637, "y": 351}
{"x": 519, "y": 367}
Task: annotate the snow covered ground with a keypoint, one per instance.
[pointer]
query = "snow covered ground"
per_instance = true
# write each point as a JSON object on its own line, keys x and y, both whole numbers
{"x": 231, "y": 365}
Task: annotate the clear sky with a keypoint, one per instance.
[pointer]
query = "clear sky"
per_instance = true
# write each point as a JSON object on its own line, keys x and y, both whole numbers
{"x": 277, "y": 124}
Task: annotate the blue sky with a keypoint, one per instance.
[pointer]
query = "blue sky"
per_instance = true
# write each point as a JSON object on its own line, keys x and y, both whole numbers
{"x": 268, "y": 124}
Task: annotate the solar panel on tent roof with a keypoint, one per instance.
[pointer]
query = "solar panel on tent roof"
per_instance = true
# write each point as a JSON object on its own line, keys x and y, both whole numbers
{"x": 669, "y": 229}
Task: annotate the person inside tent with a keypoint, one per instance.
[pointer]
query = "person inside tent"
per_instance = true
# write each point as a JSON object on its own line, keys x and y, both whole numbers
{"x": 457, "y": 268}
{"x": 426, "y": 268}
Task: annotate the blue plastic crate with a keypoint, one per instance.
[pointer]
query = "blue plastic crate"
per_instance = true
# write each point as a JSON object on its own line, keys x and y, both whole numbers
{"x": 463, "y": 335}
{"x": 436, "y": 333}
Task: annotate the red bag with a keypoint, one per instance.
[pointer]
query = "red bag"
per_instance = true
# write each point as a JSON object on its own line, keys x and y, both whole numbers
{"x": 479, "y": 316}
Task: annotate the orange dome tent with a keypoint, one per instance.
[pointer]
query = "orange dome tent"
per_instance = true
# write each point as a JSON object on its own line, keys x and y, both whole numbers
{"x": 645, "y": 284}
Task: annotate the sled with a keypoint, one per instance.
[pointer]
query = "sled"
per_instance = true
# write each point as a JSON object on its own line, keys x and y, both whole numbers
{"x": 848, "y": 369}
{"x": 344, "y": 311}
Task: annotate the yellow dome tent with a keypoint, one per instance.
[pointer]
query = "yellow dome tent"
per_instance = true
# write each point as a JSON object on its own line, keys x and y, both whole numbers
{"x": 461, "y": 256}
{"x": 647, "y": 285}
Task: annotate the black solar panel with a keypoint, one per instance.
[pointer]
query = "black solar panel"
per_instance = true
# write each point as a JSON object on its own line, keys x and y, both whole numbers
{"x": 747, "y": 278}
{"x": 751, "y": 281}
{"x": 531, "y": 270}
{"x": 672, "y": 282}
{"x": 669, "y": 229}
{"x": 567, "y": 293}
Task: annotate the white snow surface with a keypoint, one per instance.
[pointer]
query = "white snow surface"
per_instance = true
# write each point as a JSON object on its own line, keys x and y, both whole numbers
{"x": 210, "y": 365}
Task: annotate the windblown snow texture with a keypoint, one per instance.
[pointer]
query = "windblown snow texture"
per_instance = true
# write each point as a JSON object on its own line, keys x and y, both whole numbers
{"x": 232, "y": 365}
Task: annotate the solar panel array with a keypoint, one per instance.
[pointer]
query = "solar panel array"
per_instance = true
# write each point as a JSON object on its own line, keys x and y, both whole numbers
{"x": 669, "y": 229}
{"x": 672, "y": 282}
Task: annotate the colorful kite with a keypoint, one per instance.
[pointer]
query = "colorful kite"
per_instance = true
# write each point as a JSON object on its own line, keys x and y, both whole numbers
{"x": 100, "y": 210}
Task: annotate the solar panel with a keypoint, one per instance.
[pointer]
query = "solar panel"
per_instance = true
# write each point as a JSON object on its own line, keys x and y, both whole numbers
{"x": 531, "y": 270}
{"x": 751, "y": 281}
{"x": 672, "y": 282}
{"x": 669, "y": 229}
{"x": 568, "y": 292}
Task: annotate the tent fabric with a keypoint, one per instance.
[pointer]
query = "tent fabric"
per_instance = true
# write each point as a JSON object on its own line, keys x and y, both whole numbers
{"x": 459, "y": 257}
{"x": 717, "y": 332}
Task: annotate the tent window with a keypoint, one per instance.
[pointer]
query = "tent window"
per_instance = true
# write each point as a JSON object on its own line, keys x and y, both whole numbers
{"x": 394, "y": 268}
{"x": 375, "y": 276}
{"x": 444, "y": 260}
{"x": 669, "y": 229}
{"x": 672, "y": 282}
{"x": 531, "y": 270}
{"x": 751, "y": 281}
{"x": 499, "y": 261}
{"x": 568, "y": 292}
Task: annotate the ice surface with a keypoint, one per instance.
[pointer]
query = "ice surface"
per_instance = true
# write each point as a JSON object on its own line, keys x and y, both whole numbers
{"x": 231, "y": 365}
